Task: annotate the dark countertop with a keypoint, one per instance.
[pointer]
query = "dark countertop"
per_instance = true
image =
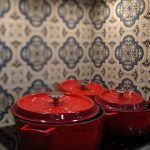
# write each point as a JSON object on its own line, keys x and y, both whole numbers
{"x": 110, "y": 142}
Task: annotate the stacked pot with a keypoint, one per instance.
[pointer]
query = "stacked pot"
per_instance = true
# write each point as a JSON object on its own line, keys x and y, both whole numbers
{"x": 54, "y": 121}
{"x": 127, "y": 113}
{"x": 82, "y": 87}
{"x": 73, "y": 117}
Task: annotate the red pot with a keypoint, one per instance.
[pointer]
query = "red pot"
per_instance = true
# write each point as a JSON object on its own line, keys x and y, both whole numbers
{"x": 56, "y": 121}
{"x": 83, "y": 87}
{"x": 127, "y": 113}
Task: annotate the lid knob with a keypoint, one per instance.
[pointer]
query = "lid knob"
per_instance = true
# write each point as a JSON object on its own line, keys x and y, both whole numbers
{"x": 83, "y": 84}
{"x": 56, "y": 96}
{"x": 121, "y": 92}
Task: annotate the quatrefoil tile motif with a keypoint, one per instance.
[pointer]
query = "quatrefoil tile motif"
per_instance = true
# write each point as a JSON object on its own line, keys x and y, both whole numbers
{"x": 36, "y": 53}
{"x": 37, "y": 86}
{"x": 128, "y": 84}
{"x": 71, "y": 52}
{"x": 129, "y": 52}
{"x": 71, "y": 13}
{"x": 4, "y": 7}
{"x": 36, "y": 11}
{"x": 99, "y": 13}
{"x": 98, "y": 52}
{"x": 129, "y": 11}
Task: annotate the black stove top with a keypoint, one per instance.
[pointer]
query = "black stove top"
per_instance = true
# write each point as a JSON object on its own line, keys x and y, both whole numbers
{"x": 112, "y": 142}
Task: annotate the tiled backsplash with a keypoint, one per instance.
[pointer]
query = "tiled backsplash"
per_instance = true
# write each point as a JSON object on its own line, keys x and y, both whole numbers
{"x": 43, "y": 42}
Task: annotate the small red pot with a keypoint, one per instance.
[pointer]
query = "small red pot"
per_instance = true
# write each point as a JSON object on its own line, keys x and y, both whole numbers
{"x": 83, "y": 87}
{"x": 53, "y": 121}
{"x": 127, "y": 113}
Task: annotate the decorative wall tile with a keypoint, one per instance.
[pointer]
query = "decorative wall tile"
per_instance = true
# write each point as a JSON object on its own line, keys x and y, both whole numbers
{"x": 112, "y": 72}
{"x": 85, "y": 35}
{"x": 71, "y": 13}
{"x": 128, "y": 84}
{"x": 72, "y": 72}
{"x": 85, "y": 71}
{"x": 54, "y": 34}
{"x": 13, "y": 73}
{"x": 10, "y": 32}
{"x": 55, "y": 74}
{"x": 144, "y": 74}
{"x": 37, "y": 86}
{"x": 129, "y": 52}
{"x": 98, "y": 79}
{"x": 99, "y": 13}
{"x": 36, "y": 53}
{"x": 113, "y": 32}
{"x": 4, "y": 7}
{"x": 145, "y": 92}
{"x": 129, "y": 11}
{"x": 98, "y": 52}
{"x": 35, "y": 11}
{"x": 71, "y": 52}
{"x": 5, "y": 55}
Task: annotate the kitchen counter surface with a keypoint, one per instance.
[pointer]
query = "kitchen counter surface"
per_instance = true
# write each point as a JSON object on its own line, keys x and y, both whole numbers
{"x": 112, "y": 142}
{"x": 8, "y": 141}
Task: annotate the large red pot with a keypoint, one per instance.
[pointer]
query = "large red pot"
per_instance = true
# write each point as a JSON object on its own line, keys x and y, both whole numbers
{"x": 127, "y": 113}
{"x": 82, "y": 87}
{"x": 52, "y": 122}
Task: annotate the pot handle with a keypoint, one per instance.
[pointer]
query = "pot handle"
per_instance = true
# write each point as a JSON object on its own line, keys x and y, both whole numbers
{"x": 111, "y": 115}
{"x": 41, "y": 131}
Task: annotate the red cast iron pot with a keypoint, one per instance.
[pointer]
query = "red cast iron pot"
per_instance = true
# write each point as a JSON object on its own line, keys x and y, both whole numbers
{"x": 127, "y": 113}
{"x": 82, "y": 87}
{"x": 54, "y": 121}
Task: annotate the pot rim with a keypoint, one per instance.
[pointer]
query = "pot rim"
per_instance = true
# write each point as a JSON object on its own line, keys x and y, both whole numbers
{"x": 40, "y": 107}
{"x": 100, "y": 115}
{"x": 125, "y": 111}
{"x": 93, "y": 90}
{"x": 121, "y": 103}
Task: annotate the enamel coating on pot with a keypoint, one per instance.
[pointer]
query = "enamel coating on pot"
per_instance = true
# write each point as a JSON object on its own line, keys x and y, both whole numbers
{"x": 121, "y": 101}
{"x": 41, "y": 108}
{"x": 86, "y": 135}
{"x": 127, "y": 123}
{"x": 91, "y": 89}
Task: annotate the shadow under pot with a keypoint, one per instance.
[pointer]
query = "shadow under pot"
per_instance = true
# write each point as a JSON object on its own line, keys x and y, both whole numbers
{"x": 127, "y": 113}
{"x": 82, "y": 87}
{"x": 53, "y": 121}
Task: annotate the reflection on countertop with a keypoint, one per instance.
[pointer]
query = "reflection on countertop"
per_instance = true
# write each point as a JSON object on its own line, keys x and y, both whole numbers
{"x": 112, "y": 142}
{"x": 145, "y": 147}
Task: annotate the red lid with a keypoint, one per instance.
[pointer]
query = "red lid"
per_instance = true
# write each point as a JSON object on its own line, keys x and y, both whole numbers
{"x": 83, "y": 87}
{"x": 122, "y": 100}
{"x": 54, "y": 108}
